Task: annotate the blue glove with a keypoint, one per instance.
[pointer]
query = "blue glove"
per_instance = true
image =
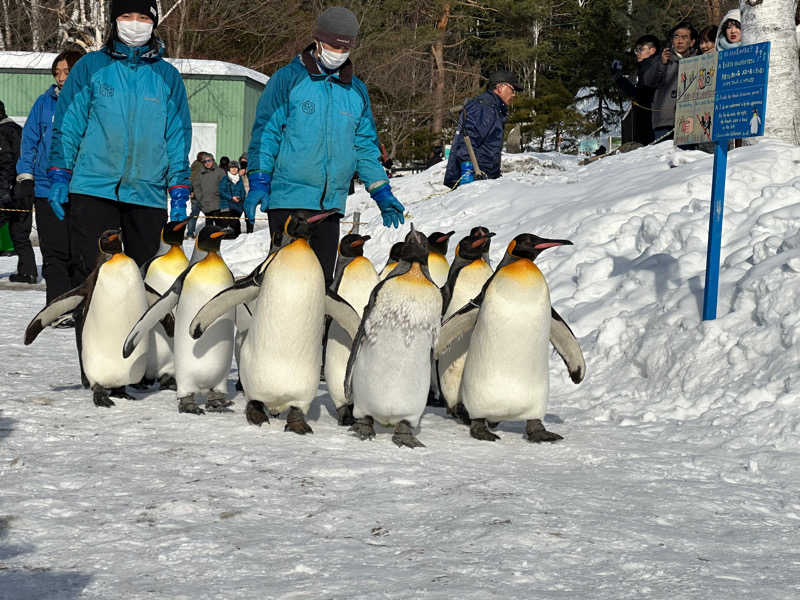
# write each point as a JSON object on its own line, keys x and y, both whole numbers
{"x": 616, "y": 67}
{"x": 258, "y": 194}
{"x": 59, "y": 190}
{"x": 178, "y": 197}
{"x": 467, "y": 172}
{"x": 391, "y": 210}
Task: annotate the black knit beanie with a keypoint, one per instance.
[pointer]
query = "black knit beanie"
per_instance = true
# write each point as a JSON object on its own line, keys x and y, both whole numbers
{"x": 337, "y": 26}
{"x": 145, "y": 7}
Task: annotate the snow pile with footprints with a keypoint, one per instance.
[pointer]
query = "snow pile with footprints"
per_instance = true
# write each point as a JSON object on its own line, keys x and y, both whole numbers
{"x": 677, "y": 477}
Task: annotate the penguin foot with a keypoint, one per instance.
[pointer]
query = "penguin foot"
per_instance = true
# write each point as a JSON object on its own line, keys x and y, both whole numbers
{"x": 492, "y": 424}
{"x": 404, "y": 436}
{"x": 167, "y": 382}
{"x": 345, "y": 415}
{"x": 536, "y": 432}
{"x": 188, "y": 405}
{"x": 144, "y": 384}
{"x": 256, "y": 413}
{"x": 218, "y": 402}
{"x": 239, "y": 386}
{"x": 120, "y": 392}
{"x": 460, "y": 413}
{"x": 479, "y": 431}
{"x": 296, "y": 422}
{"x": 101, "y": 398}
{"x": 435, "y": 399}
{"x": 363, "y": 428}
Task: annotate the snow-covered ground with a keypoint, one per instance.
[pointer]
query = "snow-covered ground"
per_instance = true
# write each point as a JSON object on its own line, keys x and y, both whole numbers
{"x": 678, "y": 476}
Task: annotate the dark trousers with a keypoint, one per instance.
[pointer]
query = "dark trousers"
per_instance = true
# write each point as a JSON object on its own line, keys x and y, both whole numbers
{"x": 91, "y": 216}
{"x": 193, "y": 218}
{"x": 57, "y": 267}
{"x": 19, "y": 228}
{"x": 324, "y": 241}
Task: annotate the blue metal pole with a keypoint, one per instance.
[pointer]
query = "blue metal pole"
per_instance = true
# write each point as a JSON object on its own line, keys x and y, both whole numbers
{"x": 715, "y": 231}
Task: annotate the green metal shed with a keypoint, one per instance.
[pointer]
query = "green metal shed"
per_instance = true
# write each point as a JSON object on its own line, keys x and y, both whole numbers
{"x": 222, "y": 97}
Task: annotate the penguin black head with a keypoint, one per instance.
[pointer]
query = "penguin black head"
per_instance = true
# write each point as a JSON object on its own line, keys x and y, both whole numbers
{"x": 210, "y": 238}
{"x": 415, "y": 247}
{"x": 528, "y": 245}
{"x": 396, "y": 251}
{"x": 472, "y": 247}
{"x": 172, "y": 233}
{"x": 437, "y": 241}
{"x": 110, "y": 241}
{"x": 301, "y": 223}
{"x": 478, "y": 231}
{"x": 352, "y": 245}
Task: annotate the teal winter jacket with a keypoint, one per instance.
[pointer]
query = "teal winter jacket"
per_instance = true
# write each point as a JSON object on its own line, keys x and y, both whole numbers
{"x": 122, "y": 126}
{"x": 313, "y": 130}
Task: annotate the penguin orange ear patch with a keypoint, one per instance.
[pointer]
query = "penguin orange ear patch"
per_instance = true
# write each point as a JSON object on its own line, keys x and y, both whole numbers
{"x": 511, "y": 246}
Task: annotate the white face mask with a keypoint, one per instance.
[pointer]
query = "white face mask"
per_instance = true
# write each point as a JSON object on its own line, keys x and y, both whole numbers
{"x": 134, "y": 33}
{"x": 330, "y": 59}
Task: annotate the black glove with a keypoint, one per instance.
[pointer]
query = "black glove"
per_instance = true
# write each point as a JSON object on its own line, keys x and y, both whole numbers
{"x": 616, "y": 67}
{"x": 23, "y": 191}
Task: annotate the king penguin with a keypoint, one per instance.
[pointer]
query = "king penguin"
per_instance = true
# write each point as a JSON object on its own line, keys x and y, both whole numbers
{"x": 282, "y": 353}
{"x": 354, "y": 279}
{"x": 110, "y": 302}
{"x": 388, "y": 374}
{"x": 468, "y": 273}
{"x": 203, "y": 363}
{"x": 505, "y": 375}
{"x": 394, "y": 256}
{"x": 437, "y": 253}
{"x": 160, "y": 272}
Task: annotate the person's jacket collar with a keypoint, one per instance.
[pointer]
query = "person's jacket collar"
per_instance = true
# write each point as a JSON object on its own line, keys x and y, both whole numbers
{"x": 151, "y": 51}
{"x": 344, "y": 74}
{"x": 498, "y": 103}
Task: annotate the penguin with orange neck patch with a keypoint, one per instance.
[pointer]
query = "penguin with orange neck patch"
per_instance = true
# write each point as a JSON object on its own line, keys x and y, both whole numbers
{"x": 388, "y": 374}
{"x": 512, "y": 324}
{"x": 201, "y": 365}
{"x": 110, "y": 302}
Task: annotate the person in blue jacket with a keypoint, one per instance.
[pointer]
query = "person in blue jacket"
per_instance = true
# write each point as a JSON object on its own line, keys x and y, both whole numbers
{"x": 313, "y": 129}
{"x": 121, "y": 139}
{"x": 231, "y": 197}
{"x": 33, "y": 184}
{"x": 483, "y": 120}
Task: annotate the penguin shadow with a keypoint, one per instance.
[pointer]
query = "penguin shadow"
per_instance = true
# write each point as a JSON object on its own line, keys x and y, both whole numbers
{"x": 664, "y": 267}
{"x": 6, "y": 427}
{"x": 35, "y": 582}
{"x": 66, "y": 388}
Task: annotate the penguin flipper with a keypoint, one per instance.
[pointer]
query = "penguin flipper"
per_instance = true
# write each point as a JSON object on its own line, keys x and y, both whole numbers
{"x": 240, "y": 292}
{"x": 151, "y": 294}
{"x": 157, "y": 313}
{"x": 65, "y": 303}
{"x": 461, "y": 322}
{"x": 567, "y": 346}
{"x": 340, "y": 311}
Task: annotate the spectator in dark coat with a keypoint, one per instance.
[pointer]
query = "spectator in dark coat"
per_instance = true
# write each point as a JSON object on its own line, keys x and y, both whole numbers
{"x": 33, "y": 185}
{"x": 18, "y": 223}
{"x": 207, "y": 189}
{"x": 231, "y": 197}
{"x": 483, "y": 120}
{"x": 646, "y": 50}
{"x": 662, "y": 75}
{"x": 194, "y": 172}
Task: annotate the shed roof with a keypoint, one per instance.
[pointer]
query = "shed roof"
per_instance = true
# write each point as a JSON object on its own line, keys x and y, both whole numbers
{"x": 41, "y": 61}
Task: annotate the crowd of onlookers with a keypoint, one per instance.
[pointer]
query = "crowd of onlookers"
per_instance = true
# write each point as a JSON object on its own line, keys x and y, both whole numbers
{"x": 654, "y": 94}
{"x": 218, "y": 192}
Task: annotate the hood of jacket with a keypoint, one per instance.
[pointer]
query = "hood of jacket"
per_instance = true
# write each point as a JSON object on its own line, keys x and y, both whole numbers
{"x": 722, "y": 43}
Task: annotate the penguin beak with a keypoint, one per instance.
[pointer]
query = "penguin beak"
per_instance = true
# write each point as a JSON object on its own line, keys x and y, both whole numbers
{"x": 483, "y": 239}
{"x": 357, "y": 243}
{"x": 180, "y": 225}
{"x": 545, "y": 244}
{"x": 321, "y": 216}
{"x": 218, "y": 234}
{"x": 445, "y": 237}
{"x": 113, "y": 237}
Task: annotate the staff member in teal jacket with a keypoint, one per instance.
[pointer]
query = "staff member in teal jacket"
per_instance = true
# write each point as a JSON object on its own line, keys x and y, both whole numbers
{"x": 121, "y": 137}
{"x": 314, "y": 129}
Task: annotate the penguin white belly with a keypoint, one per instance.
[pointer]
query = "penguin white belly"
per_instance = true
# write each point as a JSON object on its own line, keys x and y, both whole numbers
{"x": 438, "y": 267}
{"x": 282, "y": 353}
{"x": 469, "y": 283}
{"x": 118, "y": 301}
{"x": 243, "y": 317}
{"x": 506, "y": 374}
{"x": 202, "y": 365}
{"x": 161, "y": 274}
{"x": 357, "y": 283}
{"x": 391, "y": 372}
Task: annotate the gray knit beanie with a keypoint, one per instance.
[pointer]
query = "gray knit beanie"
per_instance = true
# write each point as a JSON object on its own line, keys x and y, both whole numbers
{"x": 337, "y": 26}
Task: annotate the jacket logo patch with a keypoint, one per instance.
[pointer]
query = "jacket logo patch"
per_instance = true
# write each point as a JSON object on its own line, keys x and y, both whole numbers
{"x": 308, "y": 107}
{"x": 106, "y": 90}
{"x": 151, "y": 99}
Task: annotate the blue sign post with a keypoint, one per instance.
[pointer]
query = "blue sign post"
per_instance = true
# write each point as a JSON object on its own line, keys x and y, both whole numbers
{"x": 740, "y": 98}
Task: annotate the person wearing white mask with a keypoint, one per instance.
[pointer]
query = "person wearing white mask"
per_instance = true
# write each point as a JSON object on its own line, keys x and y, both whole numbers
{"x": 121, "y": 139}
{"x": 313, "y": 129}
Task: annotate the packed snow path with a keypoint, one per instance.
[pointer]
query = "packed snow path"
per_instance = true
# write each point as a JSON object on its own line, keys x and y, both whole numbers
{"x": 677, "y": 478}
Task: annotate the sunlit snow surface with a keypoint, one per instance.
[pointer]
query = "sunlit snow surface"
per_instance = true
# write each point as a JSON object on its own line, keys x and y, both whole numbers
{"x": 678, "y": 476}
